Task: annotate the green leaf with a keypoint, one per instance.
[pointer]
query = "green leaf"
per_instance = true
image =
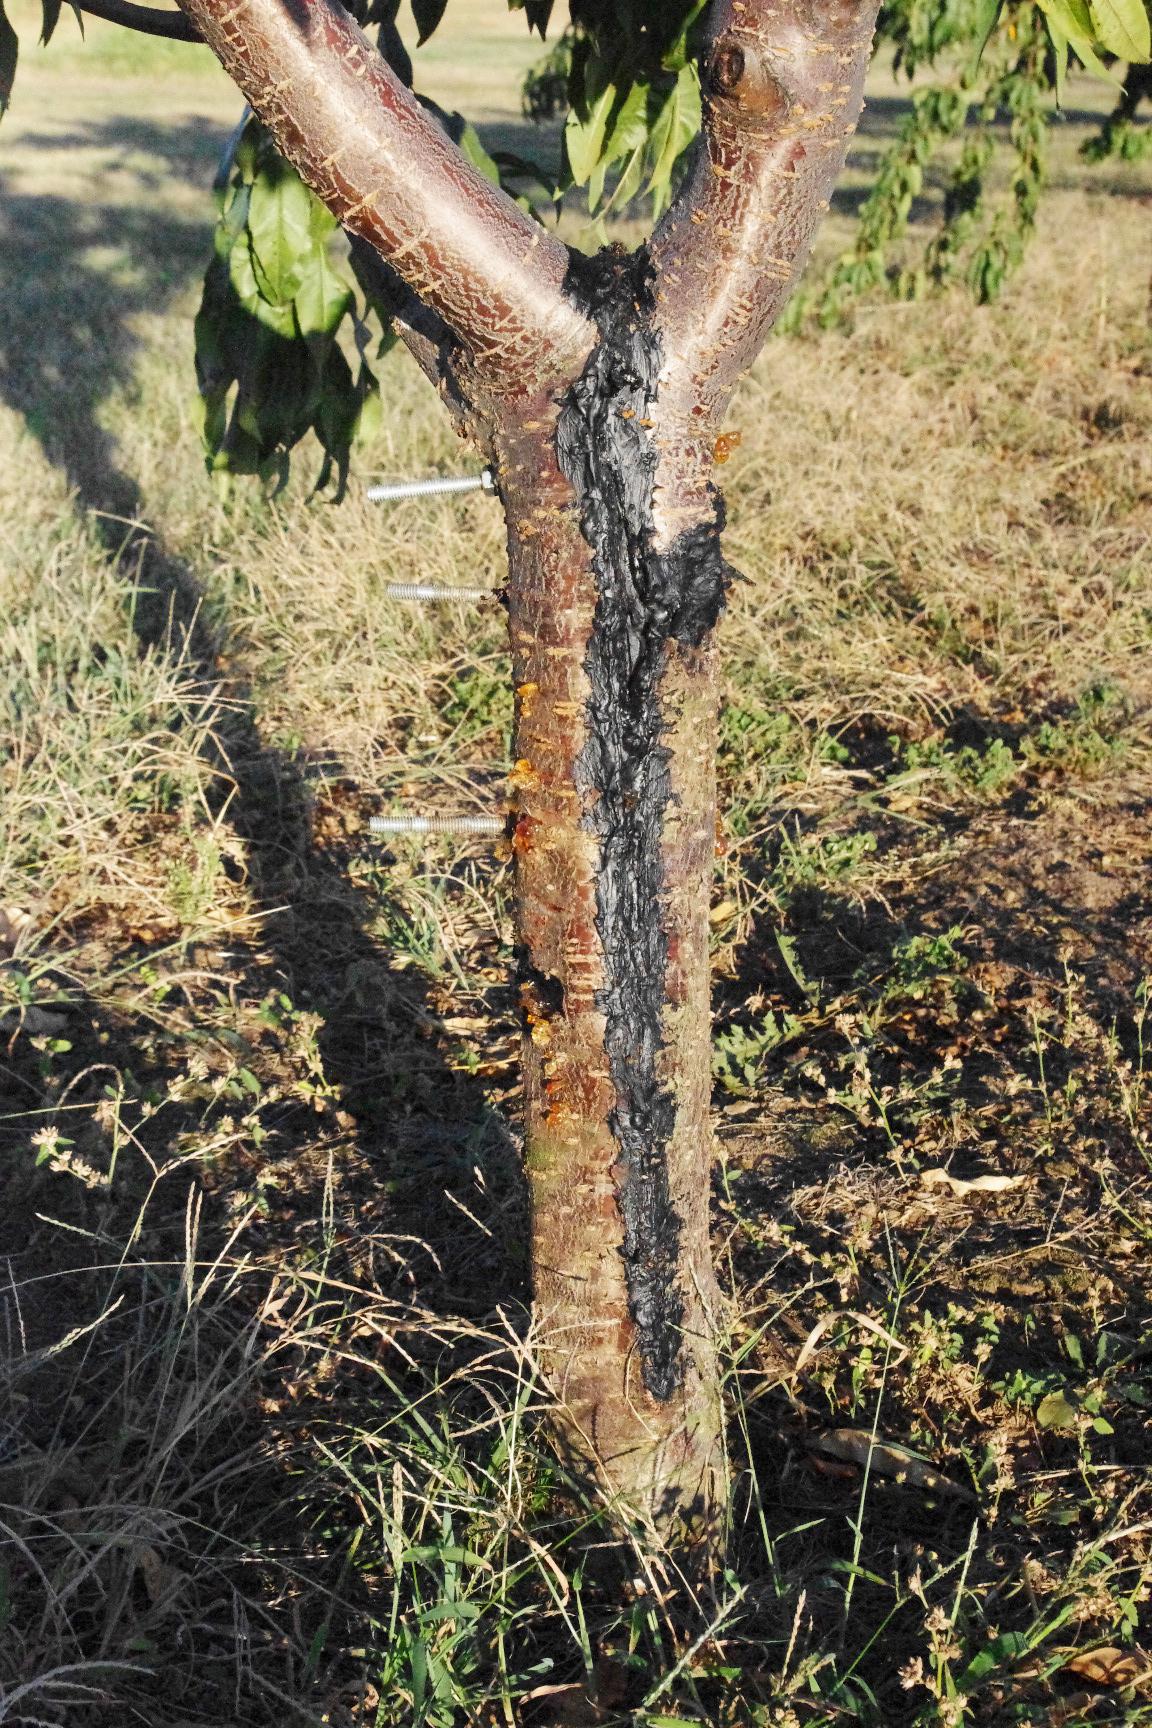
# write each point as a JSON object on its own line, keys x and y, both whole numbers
{"x": 677, "y": 124}
{"x": 275, "y": 316}
{"x": 50, "y": 14}
{"x": 1009, "y": 1647}
{"x": 1073, "y": 19}
{"x": 270, "y": 369}
{"x": 1059, "y": 61}
{"x": 584, "y": 137}
{"x": 1056, "y": 1411}
{"x": 9, "y": 52}
{"x": 984, "y": 24}
{"x": 280, "y": 233}
{"x": 322, "y": 299}
{"x": 626, "y": 136}
{"x": 628, "y": 126}
{"x": 678, "y": 52}
{"x": 428, "y": 14}
{"x": 471, "y": 147}
{"x": 631, "y": 178}
{"x": 1071, "y": 16}
{"x": 460, "y": 1610}
{"x": 450, "y": 1554}
{"x": 537, "y": 12}
{"x": 1122, "y": 27}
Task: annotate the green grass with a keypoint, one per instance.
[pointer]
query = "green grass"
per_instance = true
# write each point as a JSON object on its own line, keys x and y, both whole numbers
{"x": 271, "y": 1440}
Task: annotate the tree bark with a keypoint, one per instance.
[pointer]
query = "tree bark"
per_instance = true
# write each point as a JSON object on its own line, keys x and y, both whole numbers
{"x": 597, "y": 388}
{"x": 614, "y": 839}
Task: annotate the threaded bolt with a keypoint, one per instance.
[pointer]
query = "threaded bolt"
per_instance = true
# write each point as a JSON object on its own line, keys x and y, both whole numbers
{"x": 394, "y": 490}
{"x": 401, "y": 822}
{"x": 427, "y": 592}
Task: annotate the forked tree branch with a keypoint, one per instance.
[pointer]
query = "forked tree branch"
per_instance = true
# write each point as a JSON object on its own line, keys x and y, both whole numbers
{"x": 784, "y": 85}
{"x": 150, "y": 20}
{"x": 391, "y": 176}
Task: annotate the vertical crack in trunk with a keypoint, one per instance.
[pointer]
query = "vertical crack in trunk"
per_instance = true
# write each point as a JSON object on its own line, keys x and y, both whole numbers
{"x": 645, "y": 599}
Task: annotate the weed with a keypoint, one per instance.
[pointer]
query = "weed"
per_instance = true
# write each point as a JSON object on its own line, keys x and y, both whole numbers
{"x": 1089, "y": 741}
{"x": 740, "y": 1053}
{"x": 818, "y": 861}
{"x": 918, "y": 961}
{"x": 984, "y": 772}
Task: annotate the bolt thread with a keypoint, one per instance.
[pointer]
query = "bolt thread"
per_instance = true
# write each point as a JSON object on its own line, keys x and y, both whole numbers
{"x": 427, "y": 592}
{"x": 397, "y": 489}
{"x": 403, "y": 823}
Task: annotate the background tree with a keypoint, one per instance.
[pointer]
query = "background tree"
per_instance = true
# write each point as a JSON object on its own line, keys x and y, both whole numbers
{"x": 597, "y": 390}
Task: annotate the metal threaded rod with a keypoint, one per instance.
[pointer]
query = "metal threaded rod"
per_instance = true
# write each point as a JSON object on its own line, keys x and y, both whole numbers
{"x": 402, "y": 823}
{"x": 388, "y": 494}
{"x": 427, "y": 591}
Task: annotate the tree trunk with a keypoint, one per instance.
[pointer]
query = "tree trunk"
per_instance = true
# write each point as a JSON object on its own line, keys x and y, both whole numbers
{"x": 614, "y": 841}
{"x": 598, "y": 387}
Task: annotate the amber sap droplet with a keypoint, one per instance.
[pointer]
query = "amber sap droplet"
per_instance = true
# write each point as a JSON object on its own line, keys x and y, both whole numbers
{"x": 523, "y": 774}
{"x": 524, "y": 834}
{"x": 527, "y": 694}
{"x": 725, "y": 444}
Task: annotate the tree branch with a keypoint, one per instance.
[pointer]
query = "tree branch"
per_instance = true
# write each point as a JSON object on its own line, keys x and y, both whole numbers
{"x": 427, "y": 338}
{"x": 387, "y": 171}
{"x": 784, "y": 85}
{"x": 148, "y": 19}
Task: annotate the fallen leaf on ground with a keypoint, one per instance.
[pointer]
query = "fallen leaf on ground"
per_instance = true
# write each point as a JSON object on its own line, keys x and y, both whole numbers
{"x": 977, "y": 1185}
{"x": 160, "y": 1580}
{"x": 14, "y": 921}
{"x": 833, "y": 1467}
{"x": 1110, "y": 1667}
{"x": 887, "y": 1458}
{"x": 1056, "y": 1410}
{"x": 466, "y": 1024}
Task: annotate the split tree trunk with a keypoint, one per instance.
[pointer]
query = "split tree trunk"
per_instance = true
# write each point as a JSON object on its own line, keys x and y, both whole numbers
{"x": 597, "y": 388}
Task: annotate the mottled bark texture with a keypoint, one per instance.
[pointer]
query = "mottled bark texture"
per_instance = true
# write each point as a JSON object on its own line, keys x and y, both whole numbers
{"x": 597, "y": 389}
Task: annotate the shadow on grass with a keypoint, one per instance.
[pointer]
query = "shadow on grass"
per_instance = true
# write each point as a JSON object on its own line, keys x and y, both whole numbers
{"x": 68, "y": 346}
{"x": 395, "y": 1182}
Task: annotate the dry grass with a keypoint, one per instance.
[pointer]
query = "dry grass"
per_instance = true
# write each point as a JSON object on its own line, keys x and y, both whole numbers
{"x": 269, "y": 1448}
{"x": 954, "y": 513}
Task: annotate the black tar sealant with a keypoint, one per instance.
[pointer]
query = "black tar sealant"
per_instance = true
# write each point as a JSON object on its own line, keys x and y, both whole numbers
{"x": 645, "y": 600}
